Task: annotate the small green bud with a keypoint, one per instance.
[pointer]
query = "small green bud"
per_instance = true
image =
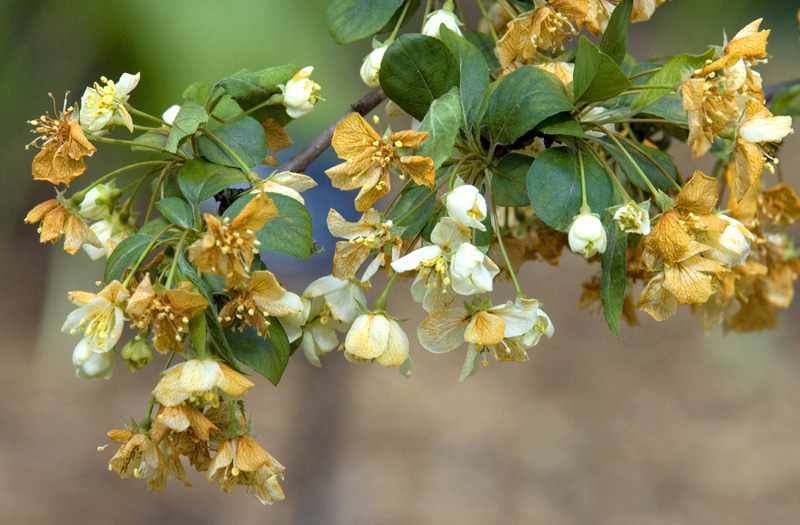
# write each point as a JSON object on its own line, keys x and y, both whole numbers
{"x": 136, "y": 354}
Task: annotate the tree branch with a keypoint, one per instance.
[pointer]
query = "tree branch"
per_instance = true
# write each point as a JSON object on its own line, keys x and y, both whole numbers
{"x": 316, "y": 147}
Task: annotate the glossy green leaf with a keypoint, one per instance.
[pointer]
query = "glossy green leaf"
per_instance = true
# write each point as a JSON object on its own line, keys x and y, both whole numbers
{"x": 615, "y": 38}
{"x": 197, "y": 91}
{"x": 267, "y": 356}
{"x": 509, "y": 180}
{"x": 561, "y": 124}
{"x": 289, "y": 232}
{"x": 416, "y": 70}
{"x": 190, "y": 117}
{"x": 521, "y": 100}
{"x": 417, "y": 198}
{"x": 614, "y": 264}
{"x": 651, "y": 171}
{"x": 150, "y": 141}
{"x": 596, "y": 76}
{"x": 249, "y": 88}
{"x": 485, "y": 44}
{"x": 351, "y": 20}
{"x": 244, "y": 137}
{"x": 554, "y": 186}
{"x": 474, "y": 73}
{"x": 176, "y": 211}
{"x": 676, "y": 70}
{"x": 442, "y": 122}
{"x": 198, "y": 180}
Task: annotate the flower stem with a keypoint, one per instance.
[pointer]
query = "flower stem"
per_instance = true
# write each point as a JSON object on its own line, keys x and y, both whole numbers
{"x": 380, "y": 302}
{"x": 584, "y": 204}
{"x": 174, "y": 265}
{"x": 399, "y": 23}
{"x": 488, "y": 20}
{"x": 144, "y": 254}
{"x": 109, "y": 140}
{"x": 134, "y": 111}
{"x": 160, "y": 181}
{"x": 112, "y": 175}
{"x": 611, "y": 174}
{"x": 503, "y": 251}
{"x": 225, "y": 147}
{"x": 611, "y": 135}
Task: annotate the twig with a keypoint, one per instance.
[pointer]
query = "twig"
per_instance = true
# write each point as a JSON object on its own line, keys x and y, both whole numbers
{"x": 316, "y": 147}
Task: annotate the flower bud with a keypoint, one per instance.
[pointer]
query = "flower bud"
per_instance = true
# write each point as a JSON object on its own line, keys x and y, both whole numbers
{"x": 372, "y": 66}
{"x": 110, "y": 233}
{"x": 169, "y": 115}
{"x": 731, "y": 246}
{"x": 471, "y": 271}
{"x": 98, "y": 202}
{"x": 437, "y": 18}
{"x": 466, "y": 205}
{"x": 587, "y": 235}
{"x": 299, "y": 94}
{"x": 633, "y": 218}
{"x": 90, "y": 364}
{"x": 136, "y": 354}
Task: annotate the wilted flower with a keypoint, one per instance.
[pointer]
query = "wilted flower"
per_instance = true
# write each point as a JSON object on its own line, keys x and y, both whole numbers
{"x": 376, "y": 336}
{"x": 103, "y": 107}
{"x": 371, "y": 67}
{"x": 62, "y": 150}
{"x": 58, "y": 221}
{"x": 199, "y": 380}
{"x": 370, "y": 159}
{"x": 262, "y": 297}
{"x": 300, "y": 93}
{"x": 587, "y": 235}
{"x": 439, "y": 17}
{"x": 241, "y": 461}
{"x": 365, "y": 237}
{"x": 289, "y": 184}
{"x": 341, "y": 298}
{"x": 633, "y": 218}
{"x": 563, "y": 70}
{"x": 109, "y": 233}
{"x": 466, "y": 205}
{"x": 292, "y": 323}
{"x": 140, "y": 457}
{"x": 731, "y": 246}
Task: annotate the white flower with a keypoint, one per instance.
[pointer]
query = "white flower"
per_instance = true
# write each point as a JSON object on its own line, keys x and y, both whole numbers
{"x": 375, "y": 336}
{"x": 466, "y": 205}
{"x": 99, "y": 317}
{"x": 341, "y": 297}
{"x": 590, "y": 115}
{"x": 319, "y": 337}
{"x": 97, "y": 202}
{"x": 471, "y": 271}
{"x": 169, "y": 115}
{"x": 587, "y": 235}
{"x": 371, "y": 67}
{"x": 731, "y": 246}
{"x": 102, "y": 229}
{"x": 439, "y": 17}
{"x": 292, "y": 323}
{"x": 103, "y": 107}
{"x": 287, "y": 183}
{"x": 90, "y": 364}
{"x": 760, "y": 129}
{"x": 633, "y": 218}
{"x": 299, "y": 94}
{"x": 198, "y": 380}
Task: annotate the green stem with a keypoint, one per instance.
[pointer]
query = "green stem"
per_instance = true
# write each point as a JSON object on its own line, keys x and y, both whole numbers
{"x": 126, "y": 209}
{"x": 611, "y": 135}
{"x": 399, "y": 23}
{"x": 109, "y": 140}
{"x": 174, "y": 266}
{"x": 584, "y": 204}
{"x": 111, "y": 175}
{"x": 652, "y": 161}
{"x": 225, "y": 147}
{"x": 416, "y": 208}
{"x": 397, "y": 195}
{"x": 161, "y": 178}
{"x": 488, "y": 20}
{"x": 644, "y": 73}
{"x": 134, "y": 111}
{"x": 144, "y": 255}
{"x": 610, "y": 173}
{"x": 380, "y": 302}
{"x": 651, "y": 121}
{"x": 503, "y": 251}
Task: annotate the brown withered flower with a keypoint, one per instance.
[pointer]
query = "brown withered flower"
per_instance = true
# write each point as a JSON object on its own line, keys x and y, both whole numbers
{"x": 241, "y": 461}
{"x": 168, "y": 312}
{"x": 368, "y": 235}
{"x": 228, "y": 247}
{"x": 369, "y": 159}
{"x": 261, "y": 298}
{"x": 58, "y": 221}
{"x": 62, "y": 149}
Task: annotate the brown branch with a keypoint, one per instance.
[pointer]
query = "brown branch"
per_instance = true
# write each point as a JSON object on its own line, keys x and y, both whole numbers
{"x": 316, "y": 147}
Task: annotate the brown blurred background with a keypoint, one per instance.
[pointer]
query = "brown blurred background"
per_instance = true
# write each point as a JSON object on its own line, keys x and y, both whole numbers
{"x": 661, "y": 426}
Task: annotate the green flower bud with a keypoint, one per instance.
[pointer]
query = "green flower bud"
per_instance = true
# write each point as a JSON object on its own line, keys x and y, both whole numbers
{"x": 136, "y": 354}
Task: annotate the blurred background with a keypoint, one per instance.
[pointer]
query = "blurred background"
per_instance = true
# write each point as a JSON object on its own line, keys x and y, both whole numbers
{"x": 660, "y": 426}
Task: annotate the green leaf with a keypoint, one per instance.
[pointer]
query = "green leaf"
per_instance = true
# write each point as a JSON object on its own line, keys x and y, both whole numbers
{"x": 509, "y": 180}
{"x": 786, "y": 102}
{"x": 485, "y": 44}
{"x": 267, "y": 356}
{"x": 615, "y": 38}
{"x": 596, "y": 76}
{"x": 561, "y": 124}
{"x": 442, "y": 122}
{"x": 249, "y": 88}
{"x": 554, "y": 186}
{"x": 413, "y": 5}
{"x": 124, "y": 255}
{"x": 157, "y": 139}
{"x": 412, "y": 197}
{"x": 474, "y": 73}
{"x": 651, "y": 171}
{"x": 483, "y": 239}
{"x": 521, "y": 100}
{"x": 176, "y": 211}
{"x": 289, "y": 232}
{"x": 416, "y": 70}
{"x": 218, "y": 339}
{"x": 188, "y": 119}
{"x": 351, "y": 20}
{"x": 614, "y": 264}
{"x": 198, "y": 180}
{"x": 197, "y": 91}
{"x": 676, "y": 70}
{"x": 244, "y": 136}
